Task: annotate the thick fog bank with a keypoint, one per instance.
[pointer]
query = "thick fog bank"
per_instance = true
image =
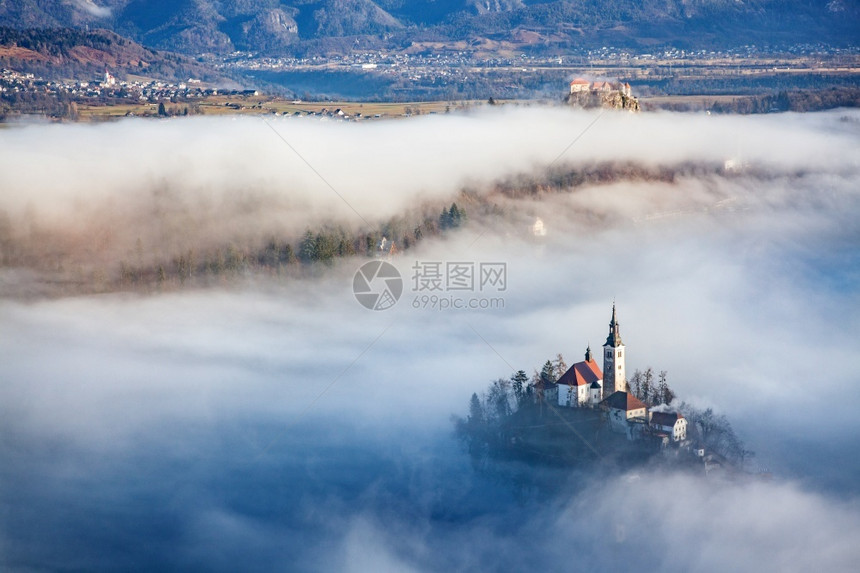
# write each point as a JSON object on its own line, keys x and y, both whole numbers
{"x": 140, "y": 191}
{"x": 279, "y": 424}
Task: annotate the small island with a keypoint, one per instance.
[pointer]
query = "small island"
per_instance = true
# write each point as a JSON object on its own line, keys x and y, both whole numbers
{"x": 585, "y": 415}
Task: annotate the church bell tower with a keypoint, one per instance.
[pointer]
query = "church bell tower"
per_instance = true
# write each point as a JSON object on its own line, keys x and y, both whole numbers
{"x": 614, "y": 374}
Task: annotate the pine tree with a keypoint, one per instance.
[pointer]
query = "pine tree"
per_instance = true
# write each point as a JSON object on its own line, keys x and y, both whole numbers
{"x": 547, "y": 373}
{"x": 519, "y": 382}
{"x": 308, "y": 248}
{"x": 325, "y": 247}
{"x": 445, "y": 220}
{"x": 454, "y": 214}
{"x": 476, "y": 410}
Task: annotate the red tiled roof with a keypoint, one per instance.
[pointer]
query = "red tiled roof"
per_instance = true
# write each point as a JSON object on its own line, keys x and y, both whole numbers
{"x": 581, "y": 373}
{"x": 580, "y": 81}
{"x": 624, "y": 401}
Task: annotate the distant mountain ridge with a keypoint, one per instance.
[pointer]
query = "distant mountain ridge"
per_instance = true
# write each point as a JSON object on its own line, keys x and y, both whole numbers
{"x": 280, "y": 26}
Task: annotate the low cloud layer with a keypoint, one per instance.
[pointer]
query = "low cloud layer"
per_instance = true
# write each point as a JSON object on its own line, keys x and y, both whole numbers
{"x": 102, "y": 193}
{"x": 93, "y": 9}
{"x": 283, "y": 425}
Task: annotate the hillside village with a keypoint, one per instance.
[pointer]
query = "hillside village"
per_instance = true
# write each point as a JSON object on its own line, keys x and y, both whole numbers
{"x": 570, "y": 415}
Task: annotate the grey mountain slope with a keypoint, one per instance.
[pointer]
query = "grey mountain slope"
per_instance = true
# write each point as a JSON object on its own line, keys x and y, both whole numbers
{"x": 274, "y": 26}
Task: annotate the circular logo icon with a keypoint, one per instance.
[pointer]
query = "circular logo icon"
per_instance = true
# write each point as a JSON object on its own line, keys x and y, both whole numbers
{"x": 377, "y": 285}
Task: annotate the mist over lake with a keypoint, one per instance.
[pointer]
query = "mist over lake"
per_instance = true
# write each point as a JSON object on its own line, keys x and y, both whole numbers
{"x": 277, "y": 423}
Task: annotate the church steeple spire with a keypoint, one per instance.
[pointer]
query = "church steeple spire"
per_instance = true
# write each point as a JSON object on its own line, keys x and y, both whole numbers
{"x": 614, "y": 338}
{"x": 614, "y": 371}
{"x": 588, "y": 354}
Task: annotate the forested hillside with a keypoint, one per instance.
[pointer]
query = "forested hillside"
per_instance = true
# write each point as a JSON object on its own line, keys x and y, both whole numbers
{"x": 58, "y": 53}
{"x": 279, "y": 26}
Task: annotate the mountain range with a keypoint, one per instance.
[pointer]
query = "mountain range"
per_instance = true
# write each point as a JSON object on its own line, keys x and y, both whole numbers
{"x": 294, "y": 26}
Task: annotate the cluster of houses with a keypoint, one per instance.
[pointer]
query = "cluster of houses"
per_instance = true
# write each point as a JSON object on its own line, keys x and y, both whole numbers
{"x": 108, "y": 86}
{"x": 581, "y": 85}
{"x": 586, "y": 385}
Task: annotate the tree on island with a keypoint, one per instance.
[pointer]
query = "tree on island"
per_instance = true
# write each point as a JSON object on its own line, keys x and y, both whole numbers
{"x": 547, "y": 373}
{"x": 647, "y": 386}
{"x": 519, "y": 381}
{"x": 642, "y": 386}
{"x": 560, "y": 366}
{"x": 715, "y": 433}
{"x": 635, "y": 384}
{"x": 473, "y": 429}
{"x": 665, "y": 395}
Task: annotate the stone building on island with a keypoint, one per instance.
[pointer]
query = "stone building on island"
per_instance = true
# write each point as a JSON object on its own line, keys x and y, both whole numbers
{"x": 586, "y": 385}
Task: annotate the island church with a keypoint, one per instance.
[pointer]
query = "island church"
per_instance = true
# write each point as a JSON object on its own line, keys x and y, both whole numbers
{"x": 585, "y": 385}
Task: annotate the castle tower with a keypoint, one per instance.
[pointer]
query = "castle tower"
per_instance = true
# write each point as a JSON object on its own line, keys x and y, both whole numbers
{"x": 614, "y": 374}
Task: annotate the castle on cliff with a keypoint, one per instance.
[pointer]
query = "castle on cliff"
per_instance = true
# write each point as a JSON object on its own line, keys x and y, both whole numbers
{"x": 580, "y": 85}
{"x": 601, "y": 94}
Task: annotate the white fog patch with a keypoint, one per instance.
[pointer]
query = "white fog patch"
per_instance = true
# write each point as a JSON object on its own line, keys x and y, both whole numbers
{"x": 237, "y": 401}
{"x": 681, "y": 523}
{"x": 93, "y": 9}
{"x": 661, "y": 521}
{"x": 234, "y": 179}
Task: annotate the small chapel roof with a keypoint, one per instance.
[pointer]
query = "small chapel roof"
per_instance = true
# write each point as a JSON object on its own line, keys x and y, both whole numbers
{"x": 624, "y": 401}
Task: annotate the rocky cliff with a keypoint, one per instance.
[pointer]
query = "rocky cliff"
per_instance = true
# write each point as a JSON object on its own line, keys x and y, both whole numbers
{"x": 609, "y": 100}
